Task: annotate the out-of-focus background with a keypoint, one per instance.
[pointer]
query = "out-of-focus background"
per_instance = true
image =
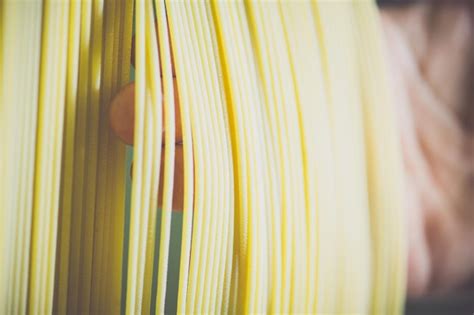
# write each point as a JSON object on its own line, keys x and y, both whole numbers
{"x": 459, "y": 301}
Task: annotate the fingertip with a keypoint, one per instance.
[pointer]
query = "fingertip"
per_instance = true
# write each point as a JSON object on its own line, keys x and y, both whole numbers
{"x": 121, "y": 113}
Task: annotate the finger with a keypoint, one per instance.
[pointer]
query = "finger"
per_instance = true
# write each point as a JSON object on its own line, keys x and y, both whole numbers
{"x": 122, "y": 124}
{"x": 121, "y": 113}
{"x": 122, "y": 107}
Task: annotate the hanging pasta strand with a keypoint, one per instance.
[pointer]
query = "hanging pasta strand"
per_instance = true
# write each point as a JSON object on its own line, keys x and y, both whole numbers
{"x": 92, "y": 147}
{"x": 169, "y": 157}
{"x": 47, "y": 160}
{"x": 385, "y": 198}
{"x": 19, "y": 65}
{"x": 154, "y": 78}
{"x": 72, "y": 277}
{"x": 65, "y": 224}
{"x": 188, "y": 156}
{"x": 312, "y": 98}
{"x": 350, "y": 176}
{"x": 220, "y": 209}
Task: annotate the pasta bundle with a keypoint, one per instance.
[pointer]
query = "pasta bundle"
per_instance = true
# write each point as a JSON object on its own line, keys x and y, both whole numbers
{"x": 292, "y": 170}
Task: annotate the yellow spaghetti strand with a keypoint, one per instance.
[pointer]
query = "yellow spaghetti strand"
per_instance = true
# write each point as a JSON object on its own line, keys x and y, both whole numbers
{"x": 46, "y": 195}
{"x": 169, "y": 158}
{"x": 384, "y": 195}
{"x": 92, "y": 149}
{"x": 136, "y": 204}
{"x": 188, "y": 157}
{"x": 154, "y": 86}
{"x": 64, "y": 225}
{"x": 79, "y": 157}
{"x": 114, "y": 270}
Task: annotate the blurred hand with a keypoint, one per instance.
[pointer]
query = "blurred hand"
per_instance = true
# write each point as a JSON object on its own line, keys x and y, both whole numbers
{"x": 431, "y": 52}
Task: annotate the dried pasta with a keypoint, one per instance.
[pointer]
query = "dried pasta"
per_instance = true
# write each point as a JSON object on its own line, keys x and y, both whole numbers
{"x": 292, "y": 197}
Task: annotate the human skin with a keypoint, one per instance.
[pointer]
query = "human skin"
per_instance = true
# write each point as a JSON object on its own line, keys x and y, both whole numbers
{"x": 430, "y": 53}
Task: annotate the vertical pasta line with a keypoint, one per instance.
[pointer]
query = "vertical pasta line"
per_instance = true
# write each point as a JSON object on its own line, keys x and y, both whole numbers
{"x": 65, "y": 204}
{"x": 154, "y": 85}
{"x": 169, "y": 158}
{"x": 188, "y": 158}
{"x": 48, "y": 148}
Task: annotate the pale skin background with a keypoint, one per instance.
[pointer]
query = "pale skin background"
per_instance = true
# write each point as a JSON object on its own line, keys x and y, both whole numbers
{"x": 431, "y": 57}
